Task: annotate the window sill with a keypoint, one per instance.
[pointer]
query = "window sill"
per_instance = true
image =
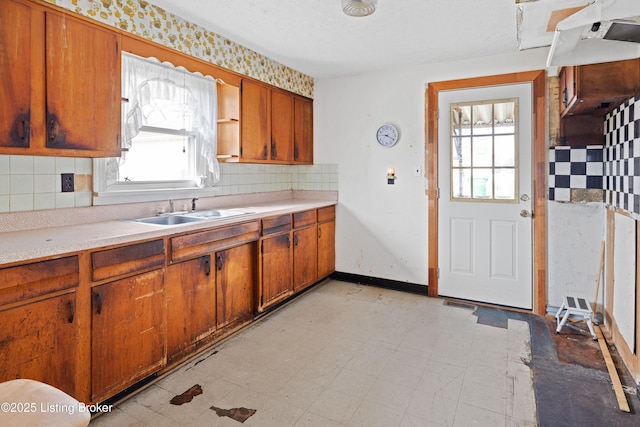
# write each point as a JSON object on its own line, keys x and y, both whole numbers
{"x": 135, "y": 196}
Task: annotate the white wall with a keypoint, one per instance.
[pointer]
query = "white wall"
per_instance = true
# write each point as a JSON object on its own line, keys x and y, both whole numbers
{"x": 624, "y": 282}
{"x": 575, "y": 233}
{"x": 382, "y": 229}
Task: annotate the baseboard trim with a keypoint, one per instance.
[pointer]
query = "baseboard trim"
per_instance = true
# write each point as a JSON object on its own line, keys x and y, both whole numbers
{"x": 395, "y": 285}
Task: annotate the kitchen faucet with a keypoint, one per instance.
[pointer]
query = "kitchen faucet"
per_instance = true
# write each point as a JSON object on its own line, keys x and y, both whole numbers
{"x": 193, "y": 203}
{"x": 171, "y": 209}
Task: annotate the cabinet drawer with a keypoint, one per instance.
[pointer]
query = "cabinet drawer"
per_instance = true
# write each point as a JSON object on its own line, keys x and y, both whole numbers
{"x": 197, "y": 244}
{"x": 301, "y": 219}
{"x": 276, "y": 224}
{"x": 38, "y": 278}
{"x": 327, "y": 214}
{"x": 127, "y": 259}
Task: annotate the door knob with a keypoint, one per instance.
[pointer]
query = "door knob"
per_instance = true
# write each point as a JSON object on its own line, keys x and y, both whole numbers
{"x": 524, "y": 197}
{"x": 525, "y": 213}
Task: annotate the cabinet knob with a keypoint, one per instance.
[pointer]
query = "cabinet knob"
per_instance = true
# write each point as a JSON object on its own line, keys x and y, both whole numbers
{"x": 219, "y": 262}
{"x": 23, "y": 129}
{"x": 98, "y": 298}
{"x": 207, "y": 265}
{"x": 53, "y": 130}
{"x": 71, "y": 311}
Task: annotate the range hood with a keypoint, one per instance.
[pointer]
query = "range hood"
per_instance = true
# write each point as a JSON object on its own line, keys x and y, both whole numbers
{"x": 604, "y": 31}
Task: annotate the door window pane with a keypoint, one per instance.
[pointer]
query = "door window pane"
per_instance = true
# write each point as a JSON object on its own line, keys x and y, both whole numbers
{"x": 484, "y": 151}
{"x": 461, "y": 152}
{"x": 461, "y": 183}
{"x": 505, "y": 154}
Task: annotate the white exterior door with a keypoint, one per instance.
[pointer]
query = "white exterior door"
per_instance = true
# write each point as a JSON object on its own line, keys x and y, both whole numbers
{"x": 485, "y": 189}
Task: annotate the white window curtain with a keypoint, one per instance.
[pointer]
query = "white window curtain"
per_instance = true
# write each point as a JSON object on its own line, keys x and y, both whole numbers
{"x": 162, "y": 95}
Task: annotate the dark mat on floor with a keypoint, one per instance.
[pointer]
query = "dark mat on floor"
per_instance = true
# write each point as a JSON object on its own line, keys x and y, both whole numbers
{"x": 569, "y": 390}
{"x": 571, "y": 382}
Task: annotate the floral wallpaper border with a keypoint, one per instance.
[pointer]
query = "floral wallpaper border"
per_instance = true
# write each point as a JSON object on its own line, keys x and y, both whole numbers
{"x": 153, "y": 23}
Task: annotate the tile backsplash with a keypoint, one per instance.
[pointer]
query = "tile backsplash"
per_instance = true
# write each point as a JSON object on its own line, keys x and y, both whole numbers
{"x": 613, "y": 168}
{"x": 574, "y": 168}
{"x": 256, "y": 178}
{"x": 34, "y": 183}
{"x": 622, "y": 157}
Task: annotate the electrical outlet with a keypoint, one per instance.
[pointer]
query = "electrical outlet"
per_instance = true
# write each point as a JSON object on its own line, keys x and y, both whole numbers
{"x": 67, "y": 183}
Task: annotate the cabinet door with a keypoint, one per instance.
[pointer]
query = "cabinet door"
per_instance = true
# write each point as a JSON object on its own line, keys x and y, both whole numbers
{"x": 567, "y": 89}
{"x": 15, "y": 69}
{"x": 83, "y": 86}
{"x": 276, "y": 268}
{"x": 254, "y": 123}
{"x": 127, "y": 339}
{"x": 305, "y": 257}
{"x": 326, "y": 248}
{"x": 190, "y": 293}
{"x": 235, "y": 277}
{"x": 281, "y": 126}
{"x": 39, "y": 341}
{"x": 303, "y": 130}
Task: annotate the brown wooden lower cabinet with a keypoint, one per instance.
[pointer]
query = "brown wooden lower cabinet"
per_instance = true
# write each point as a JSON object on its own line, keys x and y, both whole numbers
{"x": 277, "y": 275}
{"x": 39, "y": 340}
{"x": 327, "y": 244}
{"x": 235, "y": 279}
{"x": 190, "y": 292}
{"x": 152, "y": 303}
{"x": 39, "y": 322}
{"x": 305, "y": 257}
{"x": 207, "y": 294}
{"x": 127, "y": 337}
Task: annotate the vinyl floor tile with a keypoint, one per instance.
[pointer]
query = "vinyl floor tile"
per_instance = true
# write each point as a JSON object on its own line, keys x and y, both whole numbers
{"x": 344, "y": 354}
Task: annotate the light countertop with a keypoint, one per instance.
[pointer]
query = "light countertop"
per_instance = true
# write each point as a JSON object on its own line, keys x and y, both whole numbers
{"x": 22, "y": 245}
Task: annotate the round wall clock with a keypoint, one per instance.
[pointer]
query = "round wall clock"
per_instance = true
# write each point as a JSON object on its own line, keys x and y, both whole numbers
{"x": 387, "y": 135}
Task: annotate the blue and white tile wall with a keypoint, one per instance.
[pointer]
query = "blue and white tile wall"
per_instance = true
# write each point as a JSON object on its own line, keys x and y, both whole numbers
{"x": 622, "y": 157}
{"x": 572, "y": 167}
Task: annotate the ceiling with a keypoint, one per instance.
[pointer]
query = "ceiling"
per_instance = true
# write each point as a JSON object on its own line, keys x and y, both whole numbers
{"x": 316, "y": 38}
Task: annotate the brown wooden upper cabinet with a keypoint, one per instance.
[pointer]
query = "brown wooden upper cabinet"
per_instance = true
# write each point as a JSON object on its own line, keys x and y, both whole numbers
{"x": 254, "y": 122}
{"x": 83, "y": 87}
{"x": 596, "y": 89}
{"x": 281, "y": 126}
{"x": 303, "y": 130}
{"x": 276, "y": 126}
{"x": 588, "y": 93}
{"x": 15, "y": 69}
{"x": 60, "y": 97}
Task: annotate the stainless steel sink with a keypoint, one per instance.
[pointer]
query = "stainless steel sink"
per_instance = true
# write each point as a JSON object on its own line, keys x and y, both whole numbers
{"x": 168, "y": 219}
{"x": 187, "y": 217}
{"x": 216, "y": 213}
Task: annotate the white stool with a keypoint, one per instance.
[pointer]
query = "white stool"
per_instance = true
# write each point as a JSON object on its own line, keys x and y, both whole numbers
{"x": 29, "y": 403}
{"x": 578, "y": 307}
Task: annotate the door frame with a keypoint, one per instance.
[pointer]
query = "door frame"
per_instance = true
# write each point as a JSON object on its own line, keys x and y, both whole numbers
{"x": 538, "y": 171}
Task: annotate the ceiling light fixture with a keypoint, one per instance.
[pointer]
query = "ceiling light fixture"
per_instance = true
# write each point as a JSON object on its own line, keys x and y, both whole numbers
{"x": 359, "y": 7}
